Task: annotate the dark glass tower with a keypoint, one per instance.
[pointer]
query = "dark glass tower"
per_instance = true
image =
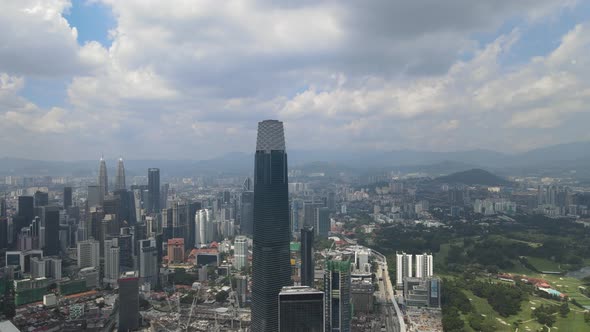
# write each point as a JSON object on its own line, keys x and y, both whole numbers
{"x": 247, "y": 212}
{"x": 67, "y": 197}
{"x": 301, "y": 310}
{"x": 154, "y": 190}
{"x": 271, "y": 268}
{"x": 51, "y": 231}
{"x": 307, "y": 268}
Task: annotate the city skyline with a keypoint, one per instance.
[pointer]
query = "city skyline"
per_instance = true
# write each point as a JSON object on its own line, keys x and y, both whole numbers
{"x": 123, "y": 76}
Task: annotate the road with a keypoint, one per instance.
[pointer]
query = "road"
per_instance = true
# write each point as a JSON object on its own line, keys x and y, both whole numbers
{"x": 385, "y": 296}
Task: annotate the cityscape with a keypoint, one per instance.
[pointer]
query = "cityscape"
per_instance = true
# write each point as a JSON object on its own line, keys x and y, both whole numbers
{"x": 260, "y": 166}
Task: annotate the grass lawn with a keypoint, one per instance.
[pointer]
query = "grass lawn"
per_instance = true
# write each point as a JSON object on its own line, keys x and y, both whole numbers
{"x": 572, "y": 323}
{"x": 543, "y": 264}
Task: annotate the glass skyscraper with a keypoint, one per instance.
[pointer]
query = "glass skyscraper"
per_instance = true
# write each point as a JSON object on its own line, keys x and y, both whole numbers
{"x": 271, "y": 269}
{"x": 154, "y": 190}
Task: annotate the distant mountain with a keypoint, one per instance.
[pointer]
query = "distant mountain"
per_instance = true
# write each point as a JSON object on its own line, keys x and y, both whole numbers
{"x": 473, "y": 177}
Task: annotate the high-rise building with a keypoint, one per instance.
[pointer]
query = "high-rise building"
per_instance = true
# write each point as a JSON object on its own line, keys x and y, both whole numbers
{"x": 247, "y": 186}
{"x": 67, "y": 197}
{"x": 204, "y": 227}
{"x": 154, "y": 190}
{"x": 301, "y": 309}
{"x": 307, "y": 264}
{"x": 192, "y": 230}
{"x": 246, "y": 212}
{"x": 424, "y": 266}
{"x": 52, "y": 245}
{"x": 26, "y": 209}
{"x": 103, "y": 181}
{"x": 120, "y": 179}
{"x": 94, "y": 197}
{"x": 125, "y": 241}
{"x": 128, "y": 301}
{"x": 240, "y": 252}
{"x": 41, "y": 198}
{"x": 180, "y": 220}
{"x": 111, "y": 262}
{"x": 271, "y": 266}
{"x": 88, "y": 253}
{"x": 338, "y": 312}
{"x": 322, "y": 224}
{"x": 148, "y": 261}
{"x": 404, "y": 268}
{"x": 176, "y": 250}
{"x": 4, "y": 233}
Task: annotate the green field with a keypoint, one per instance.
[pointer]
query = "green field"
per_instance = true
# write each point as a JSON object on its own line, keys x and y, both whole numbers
{"x": 542, "y": 264}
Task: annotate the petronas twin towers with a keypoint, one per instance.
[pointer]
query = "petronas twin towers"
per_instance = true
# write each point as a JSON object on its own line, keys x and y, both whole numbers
{"x": 271, "y": 269}
{"x": 103, "y": 180}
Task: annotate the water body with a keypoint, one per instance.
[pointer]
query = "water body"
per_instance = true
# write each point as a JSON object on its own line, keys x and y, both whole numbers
{"x": 581, "y": 273}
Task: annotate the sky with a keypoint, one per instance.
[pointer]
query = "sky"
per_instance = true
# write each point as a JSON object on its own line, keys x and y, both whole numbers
{"x": 190, "y": 79}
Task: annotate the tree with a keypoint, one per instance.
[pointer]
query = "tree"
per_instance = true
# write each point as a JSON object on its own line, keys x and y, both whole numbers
{"x": 221, "y": 296}
{"x": 564, "y": 310}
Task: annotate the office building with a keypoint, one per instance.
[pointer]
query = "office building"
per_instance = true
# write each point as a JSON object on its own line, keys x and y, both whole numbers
{"x": 125, "y": 241}
{"x": 240, "y": 252}
{"x": 154, "y": 190}
{"x": 120, "y": 178}
{"x": 128, "y": 301}
{"x": 111, "y": 262}
{"x": 205, "y": 230}
{"x": 94, "y": 197}
{"x": 307, "y": 262}
{"x": 271, "y": 268}
{"x": 422, "y": 292}
{"x": 192, "y": 216}
{"x": 88, "y": 254}
{"x": 424, "y": 266}
{"x": 4, "y": 233}
{"x": 67, "y": 197}
{"x": 322, "y": 224}
{"x": 103, "y": 181}
{"x": 337, "y": 284}
{"x": 41, "y": 198}
{"x": 52, "y": 245}
{"x": 148, "y": 261}
{"x": 91, "y": 275}
{"x": 175, "y": 251}
{"x": 180, "y": 221}
{"x": 246, "y": 212}
{"x": 301, "y": 309}
{"x": 362, "y": 296}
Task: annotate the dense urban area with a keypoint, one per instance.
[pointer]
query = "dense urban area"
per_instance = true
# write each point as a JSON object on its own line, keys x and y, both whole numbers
{"x": 377, "y": 251}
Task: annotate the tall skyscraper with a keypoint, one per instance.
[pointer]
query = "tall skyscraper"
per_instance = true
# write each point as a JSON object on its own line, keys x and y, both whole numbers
{"x": 424, "y": 266}
{"x": 52, "y": 246}
{"x": 247, "y": 186}
{"x": 67, "y": 197}
{"x": 301, "y": 309}
{"x": 120, "y": 179}
{"x": 154, "y": 190}
{"x": 3, "y": 233}
{"x": 26, "y": 208}
{"x": 271, "y": 266}
{"x": 247, "y": 212}
{"x": 403, "y": 268}
{"x": 41, "y": 198}
{"x": 240, "y": 252}
{"x": 148, "y": 261}
{"x": 111, "y": 262}
{"x": 94, "y": 197}
{"x": 103, "y": 181}
{"x": 128, "y": 301}
{"x": 203, "y": 227}
{"x": 322, "y": 221}
{"x": 338, "y": 311}
{"x": 307, "y": 265}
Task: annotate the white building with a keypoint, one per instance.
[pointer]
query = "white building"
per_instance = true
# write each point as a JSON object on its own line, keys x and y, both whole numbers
{"x": 404, "y": 268}
{"x": 112, "y": 256}
{"x": 240, "y": 252}
{"x": 88, "y": 254}
{"x": 424, "y": 266}
{"x": 205, "y": 228}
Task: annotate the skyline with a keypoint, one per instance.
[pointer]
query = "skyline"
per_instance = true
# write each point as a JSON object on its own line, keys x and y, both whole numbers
{"x": 90, "y": 76}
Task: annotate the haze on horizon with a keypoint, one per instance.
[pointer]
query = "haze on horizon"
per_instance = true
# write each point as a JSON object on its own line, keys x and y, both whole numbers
{"x": 191, "y": 79}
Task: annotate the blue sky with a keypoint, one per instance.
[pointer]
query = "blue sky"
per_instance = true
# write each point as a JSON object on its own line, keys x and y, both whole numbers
{"x": 192, "y": 79}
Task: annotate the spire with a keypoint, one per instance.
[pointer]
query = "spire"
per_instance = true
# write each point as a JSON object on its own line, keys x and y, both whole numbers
{"x": 120, "y": 179}
{"x": 103, "y": 182}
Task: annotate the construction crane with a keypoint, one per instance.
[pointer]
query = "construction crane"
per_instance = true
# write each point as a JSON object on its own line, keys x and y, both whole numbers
{"x": 190, "y": 314}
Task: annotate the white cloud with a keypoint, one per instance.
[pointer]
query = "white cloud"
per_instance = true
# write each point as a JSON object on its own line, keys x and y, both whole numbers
{"x": 383, "y": 75}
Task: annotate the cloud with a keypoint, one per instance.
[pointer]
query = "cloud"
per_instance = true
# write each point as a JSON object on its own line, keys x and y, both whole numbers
{"x": 192, "y": 79}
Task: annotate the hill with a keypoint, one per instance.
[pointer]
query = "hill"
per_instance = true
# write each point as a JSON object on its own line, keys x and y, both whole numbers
{"x": 473, "y": 177}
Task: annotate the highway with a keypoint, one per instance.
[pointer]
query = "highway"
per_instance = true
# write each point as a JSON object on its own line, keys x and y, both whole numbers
{"x": 385, "y": 296}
